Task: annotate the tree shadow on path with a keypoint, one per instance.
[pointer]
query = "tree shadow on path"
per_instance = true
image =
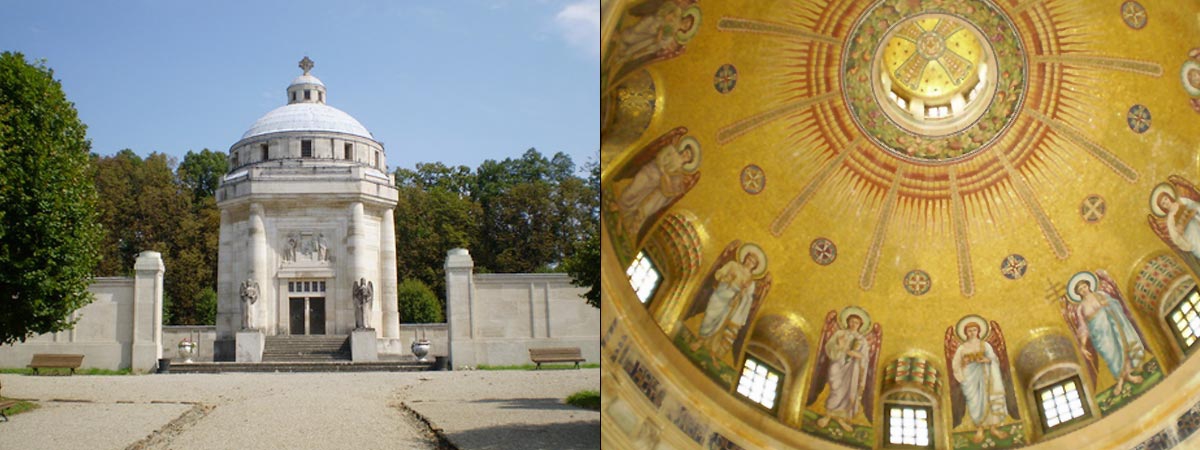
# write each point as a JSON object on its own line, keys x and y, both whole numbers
{"x": 554, "y": 436}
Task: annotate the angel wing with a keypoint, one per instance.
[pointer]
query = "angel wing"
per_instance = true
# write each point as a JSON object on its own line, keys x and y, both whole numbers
{"x": 874, "y": 341}
{"x": 1074, "y": 318}
{"x": 821, "y": 371}
{"x": 1159, "y": 226}
{"x": 760, "y": 292}
{"x": 958, "y": 403}
{"x": 996, "y": 339}
{"x": 700, "y": 301}
{"x": 1184, "y": 188}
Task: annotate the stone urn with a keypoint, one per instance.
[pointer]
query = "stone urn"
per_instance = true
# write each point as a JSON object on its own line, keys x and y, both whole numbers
{"x": 187, "y": 349}
{"x": 420, "y": 348}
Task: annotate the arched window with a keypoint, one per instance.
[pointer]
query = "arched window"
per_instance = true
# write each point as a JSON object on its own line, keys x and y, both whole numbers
{"x": 1181, "y": 312}
{"x": 911, "y": 386}
{"x": 1051, "y": 372}
{"x": 760, "y": 383}
{"x": 643, "y": 277}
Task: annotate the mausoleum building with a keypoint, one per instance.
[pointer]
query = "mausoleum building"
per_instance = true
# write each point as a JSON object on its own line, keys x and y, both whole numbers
{"x": 306, "y": 217}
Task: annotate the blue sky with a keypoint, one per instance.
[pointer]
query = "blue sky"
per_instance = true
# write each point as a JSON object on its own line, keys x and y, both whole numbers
{"x": 456, "y": 81}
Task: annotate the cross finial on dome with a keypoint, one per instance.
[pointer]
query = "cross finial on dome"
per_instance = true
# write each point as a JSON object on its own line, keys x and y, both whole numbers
{"x": 306, "y": 64}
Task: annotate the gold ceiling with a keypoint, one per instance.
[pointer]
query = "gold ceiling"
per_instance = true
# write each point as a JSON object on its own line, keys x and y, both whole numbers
{"x": 772, "y": 133}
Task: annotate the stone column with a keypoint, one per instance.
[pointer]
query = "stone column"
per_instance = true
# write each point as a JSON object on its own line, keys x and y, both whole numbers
{"x": 258, "y": 268}
{"x": 147, "y": 311}
{"x": 356, "y": 250}
{"x": 386, "y": 294}
{"x": 460, "y": 320}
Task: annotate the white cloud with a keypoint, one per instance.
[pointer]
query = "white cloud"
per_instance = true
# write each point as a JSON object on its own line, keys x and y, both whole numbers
{"x": 580, "y": 25}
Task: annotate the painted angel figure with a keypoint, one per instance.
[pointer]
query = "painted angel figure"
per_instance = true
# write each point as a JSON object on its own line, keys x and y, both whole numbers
{"x": 1095, "y": 311}
{"x": 1174, "y": 207}
{"x": 659, "y": 181}
{"x": 730, "y": 297}
{"x": 980, "y": 382}
{"x": 846, "y": 363}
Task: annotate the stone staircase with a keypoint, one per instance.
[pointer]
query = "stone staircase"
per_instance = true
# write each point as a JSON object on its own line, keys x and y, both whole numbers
{"x": 314, "y": 348}
{"x": 327, "y": 366}
{"x": 329, "y": 353}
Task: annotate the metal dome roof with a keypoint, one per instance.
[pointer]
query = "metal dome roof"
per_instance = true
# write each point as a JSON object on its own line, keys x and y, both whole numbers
{"x": 307, "y": 117}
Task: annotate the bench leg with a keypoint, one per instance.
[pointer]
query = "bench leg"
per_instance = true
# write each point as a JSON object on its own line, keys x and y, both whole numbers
{"x": 3, "y": 416}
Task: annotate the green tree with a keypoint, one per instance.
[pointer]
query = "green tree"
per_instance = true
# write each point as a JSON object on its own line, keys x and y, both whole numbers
{"x": 201, "y": 172}
{"x": 146, "y": 205}
{"x": 584, "y": 263}
{"x": 49, "y": 237}
{"x": 417, "y": 303}
{"x": 434, "y": 214}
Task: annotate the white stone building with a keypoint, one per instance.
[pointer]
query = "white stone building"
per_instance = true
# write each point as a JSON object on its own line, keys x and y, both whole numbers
{"x": 306, "y": 211}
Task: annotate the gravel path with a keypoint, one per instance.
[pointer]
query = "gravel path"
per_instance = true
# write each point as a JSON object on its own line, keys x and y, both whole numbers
{"x": 475, "y": 410}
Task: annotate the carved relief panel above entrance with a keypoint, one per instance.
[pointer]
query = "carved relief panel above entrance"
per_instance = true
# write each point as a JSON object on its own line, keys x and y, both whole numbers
{"x": 305, "y": 248}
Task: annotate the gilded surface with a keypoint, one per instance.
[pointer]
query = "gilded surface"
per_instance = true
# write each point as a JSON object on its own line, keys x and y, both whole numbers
{"x": 1066, "y": 186}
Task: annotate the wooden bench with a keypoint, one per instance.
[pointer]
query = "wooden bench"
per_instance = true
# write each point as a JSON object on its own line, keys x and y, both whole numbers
{"x": 48, "y": 361}
{"x": 556, "y": 354}
{"x": 5, "y": 404}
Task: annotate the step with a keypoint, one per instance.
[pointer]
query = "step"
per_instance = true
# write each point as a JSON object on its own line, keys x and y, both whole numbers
{"x": 339, "y": 366}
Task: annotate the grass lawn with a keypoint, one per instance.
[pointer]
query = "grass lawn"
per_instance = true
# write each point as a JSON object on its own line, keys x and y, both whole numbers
{"x": 544, "y": 366}
{"x": 18, "y": 408}
{"x": 587, "y": 399}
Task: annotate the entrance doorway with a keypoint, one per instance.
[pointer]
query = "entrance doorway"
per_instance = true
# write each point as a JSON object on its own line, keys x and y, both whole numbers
{"x": 306, "y": 307}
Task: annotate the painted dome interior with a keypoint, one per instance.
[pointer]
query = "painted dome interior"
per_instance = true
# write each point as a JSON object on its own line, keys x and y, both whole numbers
{"x": 944, "y": 204}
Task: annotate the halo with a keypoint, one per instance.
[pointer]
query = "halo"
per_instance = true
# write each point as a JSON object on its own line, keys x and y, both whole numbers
{"x": 1158, "y": 190}
{"x": 683, "y": 36}
{"x": 684, "y": 143}
{"x": 758, "y": 252}
{"x": 960, "y": 328}
{"x": 1188, "y": 67}
{"x": 1076, "y": 279}
{"x": 847, "y": 311}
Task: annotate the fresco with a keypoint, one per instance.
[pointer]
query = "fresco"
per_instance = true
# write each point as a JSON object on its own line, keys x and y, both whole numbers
{"x": 717, "y": 323}
{"x": 1174, "y": 206}
{"x": 840, "y": 398}
{"x": 650, "y": 30}
{"x": 1095, "y": 310}
{"x": 981, "y": 387}
{"x": 658, "y": 175}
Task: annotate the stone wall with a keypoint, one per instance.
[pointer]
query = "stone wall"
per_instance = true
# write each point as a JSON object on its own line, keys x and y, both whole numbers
{"x": 203, "y": 335}
{"x": 495, "y": 319}
{"x": 120, "y": 329}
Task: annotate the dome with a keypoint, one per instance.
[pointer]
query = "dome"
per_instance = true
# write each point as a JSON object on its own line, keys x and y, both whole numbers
{"x": 306, "y": 79}
{"x": 307, "y": 117}
{"x": 784, "y": 183}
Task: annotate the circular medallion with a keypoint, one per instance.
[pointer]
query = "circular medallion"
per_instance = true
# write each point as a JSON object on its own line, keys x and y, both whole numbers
{"x": 754, "y": 180}
{"x": 1093, "y": 209}
{"x": 1138, "y": 118}
{"x": 933, "y": 82}
{"x": 725, "y": 79}
{"x": 917, "y": 282}
{"x": 1013, "y": 266}
{"x": 1134, "y": 14}
{"x": 822, "y": 251}
{"x": 1190, "y": 76}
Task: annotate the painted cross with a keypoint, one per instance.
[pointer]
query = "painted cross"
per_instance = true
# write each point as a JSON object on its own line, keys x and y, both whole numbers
{"x": 822, "y": 251}
{"x": 1134, "y": 14}
{"x": 917, "y": 282}
{"x": 1093, "y": 209}
{"x": 753, "y": 179}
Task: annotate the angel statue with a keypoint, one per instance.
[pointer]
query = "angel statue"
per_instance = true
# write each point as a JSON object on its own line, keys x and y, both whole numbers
{"x": 1174, "y": 207}
{"x": 729, "y": 298}
{"x": 846, "y": 363}
{"x": 249, "y": 294}
{"x": 364, "y": 293}
{"x": 1096, "y": 313}
{"x": 980, "y": 383}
